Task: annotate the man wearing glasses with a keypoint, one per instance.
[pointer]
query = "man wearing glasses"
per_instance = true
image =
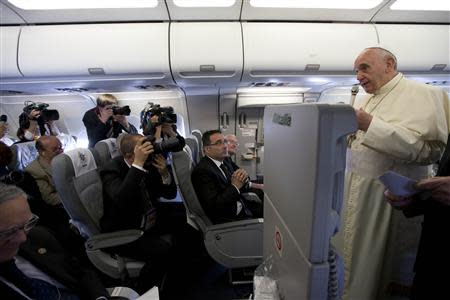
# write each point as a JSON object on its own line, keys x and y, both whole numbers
{"x": 37, "y": 268}
{"x": 218, "y": 187}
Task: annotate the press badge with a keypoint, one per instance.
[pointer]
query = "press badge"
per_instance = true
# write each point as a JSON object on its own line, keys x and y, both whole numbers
{"x": 149, "y": 219}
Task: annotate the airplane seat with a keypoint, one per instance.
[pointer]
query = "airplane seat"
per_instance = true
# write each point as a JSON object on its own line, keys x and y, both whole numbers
{"x": 78, "y": 183}
{"x": 106, "y": 150}
{"x": 192, "y": 142}
{"x": 68, "y": 142}
{"x": 23, "y": 155}
{"x": 236, "y": 244}
{"x": 198, "y": 135}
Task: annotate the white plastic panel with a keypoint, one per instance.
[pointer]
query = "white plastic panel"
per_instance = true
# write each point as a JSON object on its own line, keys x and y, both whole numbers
{"x": 71, "y": 50}
{"x": 231, "y": 12}
{"x": 9, "y": 37}
{"x": 277, "y": 50}
{"x": 158, "y": 13}
{"x": 8, "y": 16}
{"x": 308, "y": 14}
{"x": 206, "y": 53}
{"x": 417, "y": 47}
{"x": 386, "y": 14}
{"x": 302, "y": 207}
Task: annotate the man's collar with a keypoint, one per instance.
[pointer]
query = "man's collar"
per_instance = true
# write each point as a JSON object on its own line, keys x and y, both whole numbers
{"x": 390, "y": 84}
{"x": 217, "y": 162}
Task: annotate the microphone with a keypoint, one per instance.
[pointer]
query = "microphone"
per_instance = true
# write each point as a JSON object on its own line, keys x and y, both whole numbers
{"x": 355, "y": 90}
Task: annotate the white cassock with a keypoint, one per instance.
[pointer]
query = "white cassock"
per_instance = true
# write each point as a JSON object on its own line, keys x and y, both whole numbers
{"x": 408, "y": 132}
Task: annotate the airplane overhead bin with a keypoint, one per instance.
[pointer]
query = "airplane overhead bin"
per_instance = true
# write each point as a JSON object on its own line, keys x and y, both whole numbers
{"x": 419, "y": 48}
{"x": 95, "y": 50}
{"x": 294, "y": 52}
{"x": 8, "y": 52}
{"x": 206, "y": 53}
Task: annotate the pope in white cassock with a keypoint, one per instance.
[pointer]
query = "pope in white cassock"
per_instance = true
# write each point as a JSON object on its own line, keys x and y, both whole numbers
{"x": 402, "y": 126}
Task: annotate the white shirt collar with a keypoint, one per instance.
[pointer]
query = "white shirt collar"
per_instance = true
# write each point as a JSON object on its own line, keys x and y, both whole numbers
{"x": 217, "y": 162}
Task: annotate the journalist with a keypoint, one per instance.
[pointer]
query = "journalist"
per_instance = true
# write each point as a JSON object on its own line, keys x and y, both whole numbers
{"x": 36, "y": 120}
{"x": 132, "y": 183}
{"x": 158, "y": 124}
{"x": 106, "y": 120}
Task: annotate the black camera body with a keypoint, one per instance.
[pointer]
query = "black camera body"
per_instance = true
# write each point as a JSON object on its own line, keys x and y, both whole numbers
{"x": 121, "y": 110}
{"x": 164, "y": 146}
{"x": 46, "y": 114}
{"x": 165, "y": 114}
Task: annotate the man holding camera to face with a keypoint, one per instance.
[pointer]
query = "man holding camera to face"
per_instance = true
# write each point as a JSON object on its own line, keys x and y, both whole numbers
{"x": 158, "y": 124}
{"x": 132, "y": 184}
{"x": 36, "y": 120}
{"x": 106, "y": 120}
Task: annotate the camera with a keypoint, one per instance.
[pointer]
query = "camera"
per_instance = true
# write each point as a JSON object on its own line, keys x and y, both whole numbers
{"x": 46, "y": 114}
{"x": 164, "y": 146}
{"x": 4, "y": 118}
{"x": 14, "y": 177}
{"x": 121, "y": 110}
{"x": 165, "y": 115}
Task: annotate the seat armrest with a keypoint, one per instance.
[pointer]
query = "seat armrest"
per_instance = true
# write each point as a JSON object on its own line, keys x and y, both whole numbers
{"x": 234, "y": 225}
{"x": 236, "y": 244}
{"x": 251, "y": 197}
{"x": 106, "y": 240}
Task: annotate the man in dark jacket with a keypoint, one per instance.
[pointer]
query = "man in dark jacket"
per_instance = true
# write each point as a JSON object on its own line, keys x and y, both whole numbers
{"x": 218, "y": 187}
{"x": 37, "y": 267}
{"x": 132, "y": 183}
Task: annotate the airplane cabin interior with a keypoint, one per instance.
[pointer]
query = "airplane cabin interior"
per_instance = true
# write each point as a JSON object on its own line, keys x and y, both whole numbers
{"x": 232, "y": 65}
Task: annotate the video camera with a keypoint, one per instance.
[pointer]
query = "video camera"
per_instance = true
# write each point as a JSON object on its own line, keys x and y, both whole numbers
{"x": 165, "y": 114}
{"x": 121, "y": 110}
{"x": 46, "y": 114}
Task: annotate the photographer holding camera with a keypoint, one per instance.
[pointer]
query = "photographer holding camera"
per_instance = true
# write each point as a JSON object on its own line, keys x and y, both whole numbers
{"x": 158, "y": 124}
{"x": 36, "y": 120}
{"x": 132, "y": 183}
{"x": 106, "y": 120}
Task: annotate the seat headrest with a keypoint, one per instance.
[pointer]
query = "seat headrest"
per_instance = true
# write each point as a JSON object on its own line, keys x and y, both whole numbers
{"x": 112, "y": 147}
{"x": 23, "y": 155}
{"x": 82, "y": 160}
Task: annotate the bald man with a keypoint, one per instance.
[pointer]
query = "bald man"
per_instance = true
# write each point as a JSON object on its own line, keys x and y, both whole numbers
{"x": 48, "y": 147}
{"x": 403, "y": 127}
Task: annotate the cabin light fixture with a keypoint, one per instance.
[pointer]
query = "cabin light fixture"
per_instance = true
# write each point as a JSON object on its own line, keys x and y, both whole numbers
{"x": 82, "y": 4}
{"x": 204, "y": 3}
{"x": 442, "y": 5}
{"x": 327, "y": 4}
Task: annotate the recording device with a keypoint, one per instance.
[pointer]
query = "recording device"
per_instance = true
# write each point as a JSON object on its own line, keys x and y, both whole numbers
{"x": 355, "y": 90}
{"x": 121, "y": 110}
{"x": 13, "y": 177}
{"x": 46, "y": 114}
{"x": 164, "y": 146}
{"x": 165, "y": 115}
{"x": 4, "y": 118}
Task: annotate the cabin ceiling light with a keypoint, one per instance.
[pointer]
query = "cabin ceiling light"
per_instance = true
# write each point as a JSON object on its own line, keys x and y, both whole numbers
{"x": 204, "y": 3}
{"x": 443, "y": 5}
{"x": 271, "y": 90}
{"x": 331, "y": 4}
{"x": 82, "y": 4}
